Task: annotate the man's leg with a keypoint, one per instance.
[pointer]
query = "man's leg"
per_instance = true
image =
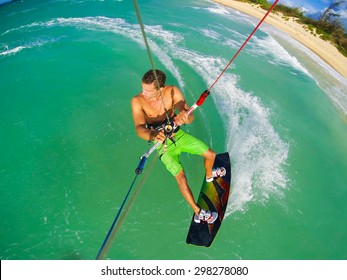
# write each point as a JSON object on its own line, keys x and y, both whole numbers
{"x": 186, "y": 191}
{"x": 209, "y": 158}
{"x": 207, "y": 216}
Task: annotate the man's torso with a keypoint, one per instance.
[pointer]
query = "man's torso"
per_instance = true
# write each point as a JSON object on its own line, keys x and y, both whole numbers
{"x": 155, "y": 110}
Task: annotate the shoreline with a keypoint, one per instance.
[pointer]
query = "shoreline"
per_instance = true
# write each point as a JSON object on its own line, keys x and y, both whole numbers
{"x": 324, "y": 49}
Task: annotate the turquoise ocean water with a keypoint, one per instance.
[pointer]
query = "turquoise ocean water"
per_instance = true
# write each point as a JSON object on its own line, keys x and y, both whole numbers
{"x": 68, "y": 70}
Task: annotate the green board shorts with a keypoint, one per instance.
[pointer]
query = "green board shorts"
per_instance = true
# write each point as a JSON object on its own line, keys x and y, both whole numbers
{"x": 184, "y": 143}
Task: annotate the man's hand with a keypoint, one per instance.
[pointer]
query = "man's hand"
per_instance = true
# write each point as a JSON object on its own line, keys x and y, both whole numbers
{"x": 182, "y": 118}
{"x": 160, "y": 137}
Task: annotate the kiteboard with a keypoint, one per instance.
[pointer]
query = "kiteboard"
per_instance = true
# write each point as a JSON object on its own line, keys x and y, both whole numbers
{"x": 214, "y": 197}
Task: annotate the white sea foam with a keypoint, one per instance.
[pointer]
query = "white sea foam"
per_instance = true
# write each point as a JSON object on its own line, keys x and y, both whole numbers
{"x": 156, "y": 34}
{"x": 216, "y": 9}
{"x": 230, "y": 13}
{"x": 12, "y": 51}
{"x": 209, "y": 33}
{"x": 7, "y": 50}
{"x": 268, "y": 47}
{"x": 219, "y": 10}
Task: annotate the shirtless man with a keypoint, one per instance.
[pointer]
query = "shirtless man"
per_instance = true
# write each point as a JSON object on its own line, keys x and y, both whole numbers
{"x": 151, "y": 108}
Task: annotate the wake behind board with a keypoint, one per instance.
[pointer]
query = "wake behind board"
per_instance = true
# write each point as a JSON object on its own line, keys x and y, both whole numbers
{"x": 214, "y": 197}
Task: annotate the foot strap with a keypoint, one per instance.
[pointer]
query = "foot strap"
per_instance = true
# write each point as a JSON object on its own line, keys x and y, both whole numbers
{"x": 218, "y": 172}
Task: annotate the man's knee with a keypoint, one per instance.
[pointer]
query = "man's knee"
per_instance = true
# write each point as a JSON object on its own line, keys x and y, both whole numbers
{"x": 181, "y": 177}
{"x": 210, "y": 154}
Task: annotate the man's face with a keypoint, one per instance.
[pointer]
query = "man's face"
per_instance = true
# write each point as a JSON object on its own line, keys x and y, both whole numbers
{"x": 149, "y": 91}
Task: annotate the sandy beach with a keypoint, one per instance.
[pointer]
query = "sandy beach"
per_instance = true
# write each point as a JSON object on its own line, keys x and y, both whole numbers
{"x": 327, "y": 51}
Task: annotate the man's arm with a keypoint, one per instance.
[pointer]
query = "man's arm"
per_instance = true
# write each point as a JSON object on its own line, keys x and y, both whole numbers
{"x": 182, "y": 106}
{"x": 139, "y": 119}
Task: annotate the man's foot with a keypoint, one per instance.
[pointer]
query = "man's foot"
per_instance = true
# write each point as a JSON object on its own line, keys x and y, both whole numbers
{"x": 217, "y": 172}
{"x": 206, "y": 216}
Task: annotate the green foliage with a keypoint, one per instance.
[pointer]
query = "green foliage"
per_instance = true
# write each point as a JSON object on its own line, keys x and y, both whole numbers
{"x": 288, "y": 11}
{"x": 263, "y": 3}
{"x": 329, "y": 31}
{"x": 342, "y": 45}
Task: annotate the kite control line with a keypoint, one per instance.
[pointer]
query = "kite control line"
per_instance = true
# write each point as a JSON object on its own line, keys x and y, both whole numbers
{"x": 103, "y": 247}
{"x": 243, "y": 45}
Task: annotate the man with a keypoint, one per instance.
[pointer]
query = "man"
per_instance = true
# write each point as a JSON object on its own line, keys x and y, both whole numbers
{"x": 151, "y": 109}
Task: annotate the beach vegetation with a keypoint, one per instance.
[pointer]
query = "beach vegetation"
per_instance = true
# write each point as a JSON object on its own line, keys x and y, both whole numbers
{"x": 332, "y": 31}
{"x": 288, "y": 11}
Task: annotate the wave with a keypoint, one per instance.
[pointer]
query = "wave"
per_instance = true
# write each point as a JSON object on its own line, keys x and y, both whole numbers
{"x": 260, "y": 45}
{"x": 275, "y": 54}
{"x": 118, "y": 26}
{"x": 332, "y": 83}
{"x": 218, "y": 10}
{"x": 230, "y": 13}
{"x": 6, "y": 50}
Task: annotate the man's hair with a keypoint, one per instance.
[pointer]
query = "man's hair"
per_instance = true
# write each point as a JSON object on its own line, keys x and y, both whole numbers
{"x": 148, "y": 78}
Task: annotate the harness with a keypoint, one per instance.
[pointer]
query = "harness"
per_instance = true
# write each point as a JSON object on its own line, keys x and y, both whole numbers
{"x": 168, "y": 126}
